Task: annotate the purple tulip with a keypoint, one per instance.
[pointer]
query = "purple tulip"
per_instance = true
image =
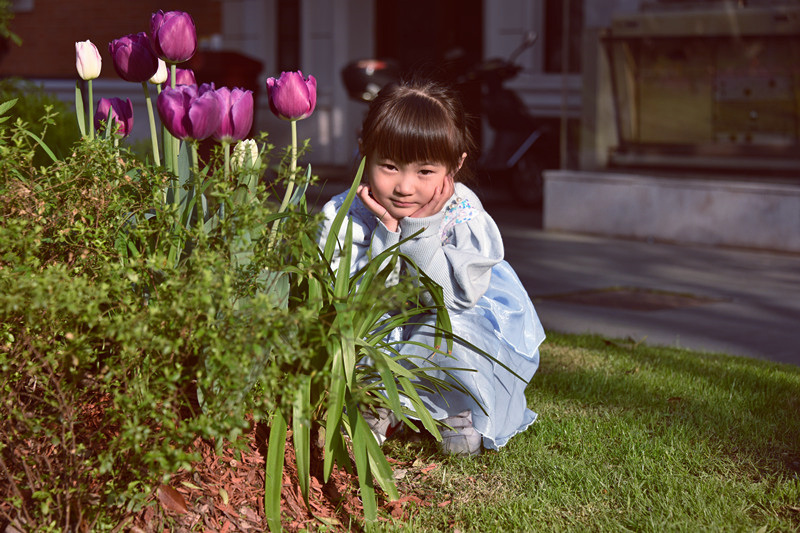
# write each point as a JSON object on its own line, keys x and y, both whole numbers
{"x": 133, "y": 57}
{"x": 236, "y": 114}
{"x": 189, "y": 112}
{"x": 114, "y": 112}
{"x": 183, "y": 76}
{"x": 291, "y": 97}
{"x": 173, "y": 35}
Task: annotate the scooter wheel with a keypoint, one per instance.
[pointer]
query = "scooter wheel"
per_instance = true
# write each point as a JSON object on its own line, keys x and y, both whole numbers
{"x": 526, "y": 182}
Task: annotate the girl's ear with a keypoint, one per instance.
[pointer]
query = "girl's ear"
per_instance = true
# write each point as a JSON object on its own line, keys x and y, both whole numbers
{"x": 460, "y": 164}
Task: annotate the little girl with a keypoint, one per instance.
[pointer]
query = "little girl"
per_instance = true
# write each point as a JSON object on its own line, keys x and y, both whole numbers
{"x": 415, "y": 139}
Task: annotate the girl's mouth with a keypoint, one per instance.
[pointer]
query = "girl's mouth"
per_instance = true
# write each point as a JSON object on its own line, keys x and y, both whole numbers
{"x": 401, "y": 205}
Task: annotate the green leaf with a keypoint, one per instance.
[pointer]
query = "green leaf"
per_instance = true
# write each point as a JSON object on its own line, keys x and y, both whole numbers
{"x": 342, "y": 283}
{"x": 274, "y": 471}
{"x": 419, "y": 408}
{"x": 388, "y": 382}
{"x": 301, "y": 426}
{"x": 343, "y": 326}
{"x": 5, "y": 106}
{"x": 334, "y": 411}
{"x": 380, "y": 468}
{"x": 41, "y": 143}
{"x": 360, "y": 438}
{"x": 184, "y": 164}
{"x": 333, "y": 235}
{"x": 300, "y": 193}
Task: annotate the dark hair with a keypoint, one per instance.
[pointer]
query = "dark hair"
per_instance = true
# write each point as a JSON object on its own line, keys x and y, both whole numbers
{"x": 417, "y": 120}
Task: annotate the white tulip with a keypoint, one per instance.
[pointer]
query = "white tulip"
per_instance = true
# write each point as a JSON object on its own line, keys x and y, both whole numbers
{"x": 161, "y": 74}
{"x": 87, "y": 60}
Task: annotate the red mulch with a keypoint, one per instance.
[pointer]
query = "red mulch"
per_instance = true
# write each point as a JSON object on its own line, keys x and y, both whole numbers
{"x": 225, "y": 493}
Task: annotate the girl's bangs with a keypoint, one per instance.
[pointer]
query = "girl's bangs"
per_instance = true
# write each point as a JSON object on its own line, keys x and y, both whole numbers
{"x": 413, "y": 135}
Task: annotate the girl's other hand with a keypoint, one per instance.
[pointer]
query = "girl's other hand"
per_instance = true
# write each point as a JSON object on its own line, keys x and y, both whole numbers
{"x": 365, "y": 194}
{"x": 440, "y": 198}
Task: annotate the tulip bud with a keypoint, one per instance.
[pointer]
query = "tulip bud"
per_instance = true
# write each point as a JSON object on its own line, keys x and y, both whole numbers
{"x": 245, "y": 156}
{"x": 236, "y": 114}
{"x": 161, "y": 74}
{"x": 173, "y": 35}
{"x": 115, "y": 113}
{"x": 133, "y": 57}
{"x": 291, "y": 97}
{"x": 188, "y": 111}
{"x": 87, "y": 60}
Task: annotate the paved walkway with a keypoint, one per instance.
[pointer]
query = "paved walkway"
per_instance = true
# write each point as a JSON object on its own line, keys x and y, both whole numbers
{"x": 711, "y": 299}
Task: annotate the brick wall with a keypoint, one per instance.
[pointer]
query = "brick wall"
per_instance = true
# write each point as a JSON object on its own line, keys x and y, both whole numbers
{"x": 50, "y": 30}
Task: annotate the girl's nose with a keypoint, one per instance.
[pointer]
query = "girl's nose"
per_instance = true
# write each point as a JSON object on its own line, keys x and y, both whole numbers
{"x": 404, "y": 185}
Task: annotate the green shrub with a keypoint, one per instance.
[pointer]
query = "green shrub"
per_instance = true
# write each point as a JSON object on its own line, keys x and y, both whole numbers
{"x": 32, "y": 100}
{"x": 132, "y": 326}
{"x": 102, "y": 354}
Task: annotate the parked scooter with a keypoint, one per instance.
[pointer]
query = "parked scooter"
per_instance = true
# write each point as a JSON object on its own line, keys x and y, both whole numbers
{"x": 516, "y": 155}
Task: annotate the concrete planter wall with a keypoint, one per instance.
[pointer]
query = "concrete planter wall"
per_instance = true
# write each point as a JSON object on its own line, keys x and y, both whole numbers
{"x": 683, "y": 210}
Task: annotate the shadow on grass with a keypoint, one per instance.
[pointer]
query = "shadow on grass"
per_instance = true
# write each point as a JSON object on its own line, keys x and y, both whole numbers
{"x": 743, "y": 407}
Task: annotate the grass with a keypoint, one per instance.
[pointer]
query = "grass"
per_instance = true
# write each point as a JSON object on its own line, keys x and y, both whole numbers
{"x": 632, "y": 438}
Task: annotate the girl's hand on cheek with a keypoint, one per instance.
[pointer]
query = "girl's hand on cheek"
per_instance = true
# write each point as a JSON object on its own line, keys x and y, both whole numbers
{"x": 439, "y": 200}
{"x": 365, "y": 194}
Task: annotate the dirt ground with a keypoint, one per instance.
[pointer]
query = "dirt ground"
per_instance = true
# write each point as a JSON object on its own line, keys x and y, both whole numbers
{"x": 225, "y": 493}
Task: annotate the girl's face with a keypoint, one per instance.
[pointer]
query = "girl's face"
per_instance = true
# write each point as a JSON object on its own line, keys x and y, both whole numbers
{"x": 403, "y": 189}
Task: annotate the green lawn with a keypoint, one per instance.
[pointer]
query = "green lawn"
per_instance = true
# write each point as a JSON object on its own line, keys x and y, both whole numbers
{"x": 631, "y": 437}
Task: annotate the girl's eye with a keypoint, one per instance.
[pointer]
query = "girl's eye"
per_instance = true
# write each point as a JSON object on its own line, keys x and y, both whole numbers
{"x": 388, "y": 166}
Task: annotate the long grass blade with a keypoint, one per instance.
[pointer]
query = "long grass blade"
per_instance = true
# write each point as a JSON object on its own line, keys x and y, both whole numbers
{"x": 274, "y": 471}
{"x": 341, "y": 286}
{"x": 336, "y": 225}
{"x": 361, "y": 436}
{"x": 301, "y": 426}
{"x": 335, "y": 408}
{"x": 41, "y": 143}
{"x": 379, "y": 467}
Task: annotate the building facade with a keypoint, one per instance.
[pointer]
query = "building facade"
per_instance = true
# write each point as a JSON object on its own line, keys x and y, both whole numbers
{"x": 261, "y": 38}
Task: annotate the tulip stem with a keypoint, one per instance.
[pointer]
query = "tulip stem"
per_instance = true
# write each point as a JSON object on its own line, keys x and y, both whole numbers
{"x": 175, "y": 143}
{"x": 226, "y": 148}
{"x": 292, "y": 170}
{"x": 166, "y": 139}
{"x": 198, "y": 205}
{"x": 153, "y": 134}
{"x": 91, "y": 110}
{"x": 195, "y": 160}
{"x": 289, "y": 187}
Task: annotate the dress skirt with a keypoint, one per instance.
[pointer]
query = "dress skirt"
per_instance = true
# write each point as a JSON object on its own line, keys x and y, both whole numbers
{"x": 504, "y": 324}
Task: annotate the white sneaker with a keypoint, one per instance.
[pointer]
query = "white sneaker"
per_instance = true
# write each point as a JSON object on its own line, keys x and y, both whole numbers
{"x": 382, "y": 423}
{"x": 463, "y": 439}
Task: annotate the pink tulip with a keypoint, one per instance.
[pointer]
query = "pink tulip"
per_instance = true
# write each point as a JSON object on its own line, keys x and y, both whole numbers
{"x": 183, "y": 76}
{"x": 236, "y": 114}
{"x": 189, "y": 112}
{"x": 173, "y": 35}
{"x": 133, "y": 57}
{"x": 292, "y": 97}
{"x": 116, "y": 113}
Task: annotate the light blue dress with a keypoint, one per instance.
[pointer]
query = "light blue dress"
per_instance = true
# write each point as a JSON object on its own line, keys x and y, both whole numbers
{"x": 462, "y": 250}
